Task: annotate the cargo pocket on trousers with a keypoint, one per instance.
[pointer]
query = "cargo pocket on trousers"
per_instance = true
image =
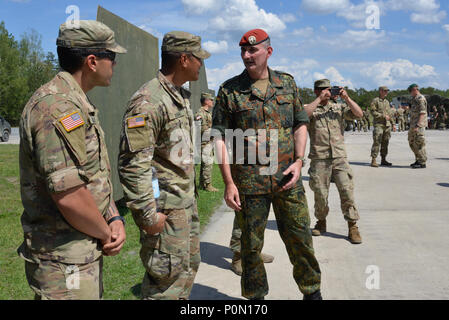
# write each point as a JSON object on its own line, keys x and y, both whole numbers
{"x": 161, "y": 265}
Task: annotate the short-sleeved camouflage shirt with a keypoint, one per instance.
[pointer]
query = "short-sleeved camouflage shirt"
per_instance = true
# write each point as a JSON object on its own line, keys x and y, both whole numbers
{"x": 380, "y": 108}
{"x": 418, "y": 106}
{"x": 326, "y": 130}
{"x": 240, "y": 105}
{"x": 62, "y": 146}
{"x": 157, "y": 132}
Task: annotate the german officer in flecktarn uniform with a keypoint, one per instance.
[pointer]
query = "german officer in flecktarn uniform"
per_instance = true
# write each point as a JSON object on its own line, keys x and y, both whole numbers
{"x": 261, "y": 98}
{"x": 69, "y": 217}
{"x": 158, "y": 132}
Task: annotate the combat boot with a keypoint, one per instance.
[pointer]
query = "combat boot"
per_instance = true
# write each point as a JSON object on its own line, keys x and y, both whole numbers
{"x": 418, "y": 165}
{"x": 384, "y": 162}
{"x": 354, "y": 235}
{"x": 210, "y": 188}
{"x": 236, "y": 264}
{"x": 320, "y": 228}
{"x": 374, "y": 163}
{"x": 314, "y": 296}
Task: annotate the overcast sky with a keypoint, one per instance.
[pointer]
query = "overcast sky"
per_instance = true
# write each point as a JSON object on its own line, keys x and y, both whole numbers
{"x": 356, "y": 43}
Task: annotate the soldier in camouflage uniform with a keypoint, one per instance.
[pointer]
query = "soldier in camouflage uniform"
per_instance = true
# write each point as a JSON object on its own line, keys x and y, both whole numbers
{"x": 158, "y": 132}
{"x": 204, "y": 116}
{"x": 328, "y": 155}
{"x": 401, "y": 119}
{"x": 418, "y": 125}
{"x": 256, "y": 100}
{"x": 381, "y": 111}
{"x": 439, "y": 121}
{"x": 69, "y": 215}
{"x": 363, "y": 122}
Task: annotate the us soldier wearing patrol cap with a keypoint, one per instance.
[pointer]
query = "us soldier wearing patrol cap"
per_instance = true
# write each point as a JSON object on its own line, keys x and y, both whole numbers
{"x": 204, "y": 116}
{"x": 328, "y": 156}
{"x": 418, "y": 125}
{"x": 69, "y": 217}
{"x": 158, "y": 132}
{"x": 382, "y": 118}
{"x": 261, "y": 98}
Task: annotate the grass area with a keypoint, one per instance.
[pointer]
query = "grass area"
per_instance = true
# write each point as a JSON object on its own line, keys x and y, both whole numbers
{"x": 122, "y": 274}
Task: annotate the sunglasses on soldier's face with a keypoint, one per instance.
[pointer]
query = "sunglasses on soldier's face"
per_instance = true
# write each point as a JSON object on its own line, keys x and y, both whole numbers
{"x": 106, "y": 55}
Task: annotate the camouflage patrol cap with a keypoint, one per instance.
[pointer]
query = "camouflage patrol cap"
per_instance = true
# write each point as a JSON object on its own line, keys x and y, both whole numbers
{"x": 180, "y": 41}
{"x": 323, "y": 83}
{"x": 90, "y": 34}
{"x": 206, "y": 95}
{"x": 384, "y": 88}
{"x": 414, "y": 85}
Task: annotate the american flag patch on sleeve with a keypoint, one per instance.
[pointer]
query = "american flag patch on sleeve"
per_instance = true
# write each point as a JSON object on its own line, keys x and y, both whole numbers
{"x": 134, "y": 122}
{"x": 72, "y": 121}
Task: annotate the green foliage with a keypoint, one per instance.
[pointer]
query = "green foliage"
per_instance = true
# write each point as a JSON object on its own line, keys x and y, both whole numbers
{"x": 23, "y": 68}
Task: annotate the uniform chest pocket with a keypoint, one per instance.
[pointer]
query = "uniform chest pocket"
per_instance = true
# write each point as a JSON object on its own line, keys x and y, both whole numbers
{"x": 285, "y": 110}
{"x": 177, "y": 129}
{"x": 245, "y": 116}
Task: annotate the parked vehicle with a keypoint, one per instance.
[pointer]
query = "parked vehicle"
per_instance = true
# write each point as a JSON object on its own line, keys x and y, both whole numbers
{"x": 5, "y": 129}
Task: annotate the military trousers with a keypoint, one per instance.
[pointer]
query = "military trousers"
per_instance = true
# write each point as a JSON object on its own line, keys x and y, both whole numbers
{"x": 417, "y": 143}
{"x": 293, "y": 221}
{"x": 207, "y": 161}
{"x": 235, "y": 244}
{"x": 321, "y": 172}
{"x": 53, "y": 280}
{"x": 401, "y": 123}
{"x": 172, "y": 258}
{"x": 381, "y": 139}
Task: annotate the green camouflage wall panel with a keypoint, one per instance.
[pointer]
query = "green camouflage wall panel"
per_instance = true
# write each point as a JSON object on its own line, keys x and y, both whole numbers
{"x": 133, "y": 69}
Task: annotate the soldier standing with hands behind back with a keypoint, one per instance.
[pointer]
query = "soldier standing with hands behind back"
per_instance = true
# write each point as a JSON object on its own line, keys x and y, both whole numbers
{"x": 204, "y": 116}
{"x": 418, "y": 125}
{"x": 381, "y": 111}
{"x": 158, "y": 132}
{"x": 70, "y": 218}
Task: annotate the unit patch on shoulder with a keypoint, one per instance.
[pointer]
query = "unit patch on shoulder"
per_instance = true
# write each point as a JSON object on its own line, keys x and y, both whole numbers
{"x": 135, "y": 122}
{"x": 72, "y": 121}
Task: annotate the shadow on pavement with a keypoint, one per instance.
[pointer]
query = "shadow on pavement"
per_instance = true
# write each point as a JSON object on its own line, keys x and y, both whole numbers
{"x": 366, "y": 164}
{"x": 334, "y": 235}
{"x": 201, "y": 292}
{"x": 214, "y": 254}
{"x": 363, "y": 164}
{"x": 443, "y": 185}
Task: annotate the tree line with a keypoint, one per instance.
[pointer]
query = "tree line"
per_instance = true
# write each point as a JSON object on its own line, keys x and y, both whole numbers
{"x": 24, "y": 67}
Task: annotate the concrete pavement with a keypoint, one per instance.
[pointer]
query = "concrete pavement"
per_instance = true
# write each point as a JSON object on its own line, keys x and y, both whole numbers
{"x": 404, "y": 225}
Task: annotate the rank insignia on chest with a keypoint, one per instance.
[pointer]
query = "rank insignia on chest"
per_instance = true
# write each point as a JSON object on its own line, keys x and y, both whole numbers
{"x": 72, "y": 121}
{"x": 134, "y": 122}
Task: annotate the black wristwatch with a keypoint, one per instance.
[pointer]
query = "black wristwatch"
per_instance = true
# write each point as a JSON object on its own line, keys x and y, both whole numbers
{"x": 117, "y": 218}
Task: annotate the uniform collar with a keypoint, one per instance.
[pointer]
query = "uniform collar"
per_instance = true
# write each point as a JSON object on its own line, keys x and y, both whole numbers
{"x": 177, "y": 95}
{"x": 75, "y": 88}
{"x": 246, "y": 86}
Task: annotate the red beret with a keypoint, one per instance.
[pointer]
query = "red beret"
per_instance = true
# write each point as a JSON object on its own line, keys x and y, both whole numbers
{"x": 253, "y": 37}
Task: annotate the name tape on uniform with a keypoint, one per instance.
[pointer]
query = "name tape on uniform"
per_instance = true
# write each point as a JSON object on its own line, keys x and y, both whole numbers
{"x": 72, "y": 121}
